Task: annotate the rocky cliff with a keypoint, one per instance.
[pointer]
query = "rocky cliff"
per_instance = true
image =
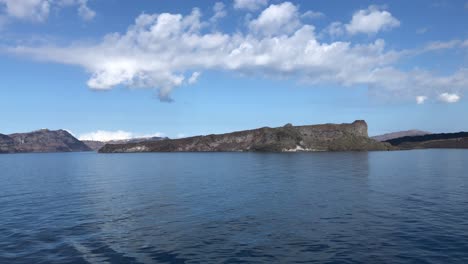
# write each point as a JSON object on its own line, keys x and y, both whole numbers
{"x": 41, "y": 141}
{"x": 328, "y": 137}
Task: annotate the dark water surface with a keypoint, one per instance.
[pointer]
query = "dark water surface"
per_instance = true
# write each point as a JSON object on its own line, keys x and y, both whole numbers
{"x": 377, "y": 207}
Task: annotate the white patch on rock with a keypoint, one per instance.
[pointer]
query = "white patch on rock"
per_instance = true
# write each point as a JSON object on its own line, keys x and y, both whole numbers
{"x": 137, "y": 149}
{"x": 299, "y": 149}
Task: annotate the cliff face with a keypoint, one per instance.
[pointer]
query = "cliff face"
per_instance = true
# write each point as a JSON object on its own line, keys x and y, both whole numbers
{"x": 41, "y": 141}
{"x": 328, "y": 137}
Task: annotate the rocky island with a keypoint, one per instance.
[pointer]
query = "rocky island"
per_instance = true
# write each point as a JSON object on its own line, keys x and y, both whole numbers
{"x": 442, "y": 140}
{"x": 43, "y": 140}
{"x": 400, "y": 134}
{"x": 289, "y": 138}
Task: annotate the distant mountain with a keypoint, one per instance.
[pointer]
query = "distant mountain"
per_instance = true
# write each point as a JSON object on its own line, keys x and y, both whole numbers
{"x": 443, "y": 140}
{"x": 6, "y": 144}
{"x": 327, "y": 137}
{"x": 400, "y": 134}
{"x": 43, "y": 140}
{"x": 96, "y": 145}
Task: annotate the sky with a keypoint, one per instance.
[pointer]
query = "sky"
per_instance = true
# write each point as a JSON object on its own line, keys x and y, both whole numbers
{"x": 114, "y": 69}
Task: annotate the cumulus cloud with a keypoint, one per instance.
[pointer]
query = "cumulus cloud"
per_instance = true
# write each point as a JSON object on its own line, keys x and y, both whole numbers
{"x": 421, "y": 99}
{"x": 165, "y": 51}
{"x": 38, "y": 10}
{"x": 449, "y": 98}
{"x": 371, "y": 21}
{"x": 102, "y": 135}
{"x": 277, "y": 20}
{"x": 250, "y": 5}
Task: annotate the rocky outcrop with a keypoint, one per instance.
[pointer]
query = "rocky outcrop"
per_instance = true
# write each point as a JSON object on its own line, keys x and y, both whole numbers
{"x": 442, "y": 140}
{"x": 407, "y": 133}
{"x": 43, "y": 140}
{"x": 328, "y": 137}
{"x": 96, "y": 145}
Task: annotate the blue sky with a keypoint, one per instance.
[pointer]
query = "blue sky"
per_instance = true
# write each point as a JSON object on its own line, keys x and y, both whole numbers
{"x": 106, "y": 69}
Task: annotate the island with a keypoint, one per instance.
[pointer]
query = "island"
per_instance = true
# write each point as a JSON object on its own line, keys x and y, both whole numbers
{"x": 289, "y": 138}
{"x": 441, "y": 140}
{"x": 43, "y": 140}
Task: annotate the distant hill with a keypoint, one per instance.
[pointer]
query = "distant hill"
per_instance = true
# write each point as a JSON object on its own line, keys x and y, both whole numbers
{"x": 400, "y": 134}
{"x": 6, "y": 144}
{"x": 442, "y": 140}
{"x": 96, "y": 145}
{"x": 289, "y": 138}
{"x": 43, "y": 140}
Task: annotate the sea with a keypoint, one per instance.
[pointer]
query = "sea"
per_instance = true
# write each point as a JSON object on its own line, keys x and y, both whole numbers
{"x": 343, "y": 207}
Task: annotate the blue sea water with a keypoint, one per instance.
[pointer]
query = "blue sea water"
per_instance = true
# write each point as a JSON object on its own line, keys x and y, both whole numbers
{"x": 356, "y": 207}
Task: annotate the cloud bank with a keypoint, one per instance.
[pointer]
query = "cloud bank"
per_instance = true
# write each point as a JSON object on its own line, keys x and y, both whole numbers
{"x": 250, "y": 5}
{"x": 449, "y": 98}
{"x": 38, "y": 10}
{"x": 165, "y": 51}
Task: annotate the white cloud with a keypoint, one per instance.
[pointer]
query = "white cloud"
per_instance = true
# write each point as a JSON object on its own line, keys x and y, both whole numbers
{"x": 449, "y": 98}
{"x": 34, "y": 10}
{"x": 84, "y": 11}
{"x": 421, "y": 99}
{"x": 438, "y": 45}
{"x": 38, "y": 10}
{"x": 421, "y": 31}
{"x": 102, "y": 135}
{"x": 194, "y": 78}
{"x": 371, "y": 21}
{"x": 335, "y": 29}
{"x": 277, "y": 20}
{"x": 313, "y": 15}
{"x": 219, "y": 12}
{"x": 165, "y": 51}
{"x": 250, "y": 5}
